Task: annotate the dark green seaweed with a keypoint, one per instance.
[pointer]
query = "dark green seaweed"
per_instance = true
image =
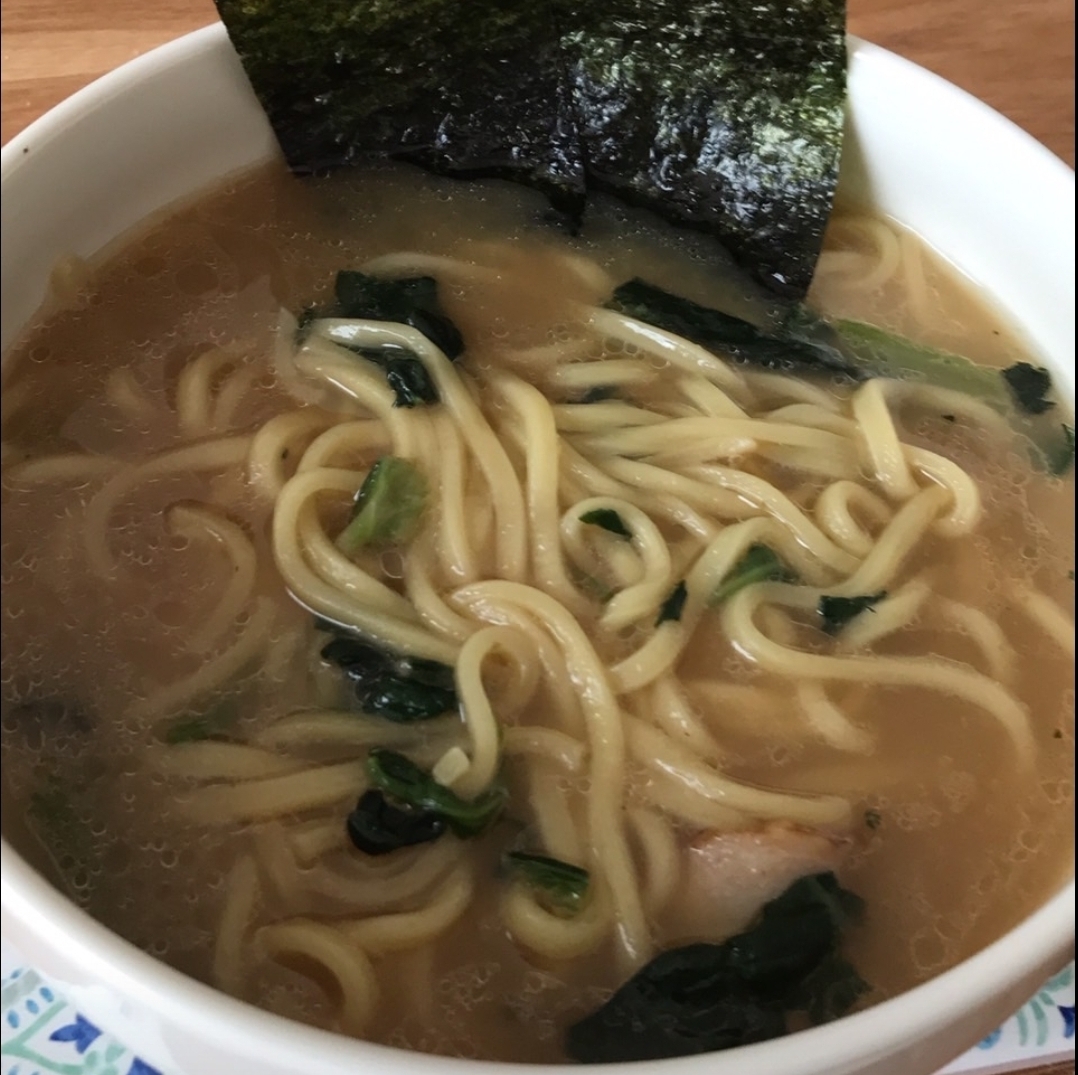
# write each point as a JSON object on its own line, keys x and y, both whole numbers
{"x": 725, "y": 116}
{"x": 722, "y": 116}
{"x": 706, "y": 997}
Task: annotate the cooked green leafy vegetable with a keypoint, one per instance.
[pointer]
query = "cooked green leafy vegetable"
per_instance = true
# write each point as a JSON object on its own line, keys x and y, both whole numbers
{"x": 829, "y": 991}
{"x": 891, "y": 355}
{"x": 608, "y": 519}
{"x": 215, "y": 723}
{"x": 674, "y": 605}
{"x": 378, "y": 826}
{"x": 63, "y": 831}
{"x": 599, "y": 394}
{"x": 724, "y": 116}
{"x": 402, "y": 780}
{"x": 836, "y": 612}
{"x": 731, "y": 336}
{"x": 563, "y": 886}
{"x": 759, "y": 564}
{"x": 49, "y": 716}
{"x": 405, "y": 372}
{"x": 406, "y": 375}
{"x": 388, "y": 506}
{"x": 406, "y": 300}
{"x": 401, "y": 689}
{"x": 1030, "y": 386}
{"x": 52, "y": 812}
{"x": 1062, "y": 459}
{"x": 806, "y": 342}
{"x": 705, "y": 997}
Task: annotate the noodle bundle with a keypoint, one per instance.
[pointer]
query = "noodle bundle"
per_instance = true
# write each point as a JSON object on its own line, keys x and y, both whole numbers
{"x": 625, "y": 551}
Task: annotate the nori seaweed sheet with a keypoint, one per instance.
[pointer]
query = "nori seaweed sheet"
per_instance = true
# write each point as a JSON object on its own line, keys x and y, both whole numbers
{"x": 725, "y": 116}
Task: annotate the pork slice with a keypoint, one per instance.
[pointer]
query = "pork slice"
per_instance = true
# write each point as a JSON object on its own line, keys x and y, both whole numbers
{"x": 729, "y": 876}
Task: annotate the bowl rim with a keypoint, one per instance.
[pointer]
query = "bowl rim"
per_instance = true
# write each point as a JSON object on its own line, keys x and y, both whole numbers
{"x": 102, "y": 956}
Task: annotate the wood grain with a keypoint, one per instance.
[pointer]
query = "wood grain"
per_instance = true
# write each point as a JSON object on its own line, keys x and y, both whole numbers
{"x": 1016, "y": 55}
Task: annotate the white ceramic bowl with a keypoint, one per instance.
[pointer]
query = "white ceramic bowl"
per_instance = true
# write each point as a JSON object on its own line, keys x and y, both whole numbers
{"x": 993, "y": 200}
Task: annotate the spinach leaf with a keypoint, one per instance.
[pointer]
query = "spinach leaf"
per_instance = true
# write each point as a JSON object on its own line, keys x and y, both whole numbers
{"x": 401, "y": 689}
{"x": 674, "y": 605}
{"x": 563, "y": 886}
{"x": 408, "y": 300}
{"x": 729, "y": 335}
{"x": 1030, "y": 386}
{"x": 48, "y": 717}
{"x": 806, "y": 342}
{"x": 378, "y": 826}
{"x": 705, "y": 997}
{"x": 406, "y": 783}
{"x": 829, "y": 991}
{"x": 405, "y": 373}
{"x": 388, "y": 506}
{"x": 836, "y": 612}
{"x": 759, "y": 564}
{"x": 65, "y": 834}
{"x": 608, "y": 519}
{"x": 53, "y": 813}
{"x": 889, "y": 355}
{"x": 598, "y": 394}
{"x": 215, "y": 723}
{"x": 1061, "y": 460}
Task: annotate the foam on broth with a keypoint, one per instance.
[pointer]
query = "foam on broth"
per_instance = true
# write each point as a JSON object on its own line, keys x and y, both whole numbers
{"x": 965, "y": 846}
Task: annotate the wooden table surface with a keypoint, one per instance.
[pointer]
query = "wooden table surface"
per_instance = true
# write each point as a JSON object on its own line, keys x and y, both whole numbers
{"x": 1017, "y": 55}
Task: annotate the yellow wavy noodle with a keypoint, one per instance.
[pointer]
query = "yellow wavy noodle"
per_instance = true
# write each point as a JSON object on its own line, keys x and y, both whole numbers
{"x": 342, "y": 962}
{"x": 198, "y": 523}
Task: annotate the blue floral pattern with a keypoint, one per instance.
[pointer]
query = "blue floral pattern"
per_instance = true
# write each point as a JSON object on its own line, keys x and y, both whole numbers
{"x": 41, "y": 1034}
{"x": 1043, "y": 1027}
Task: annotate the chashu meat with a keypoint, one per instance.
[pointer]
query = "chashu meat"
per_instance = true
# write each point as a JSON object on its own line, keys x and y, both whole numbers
{"x": 728, "y": 876}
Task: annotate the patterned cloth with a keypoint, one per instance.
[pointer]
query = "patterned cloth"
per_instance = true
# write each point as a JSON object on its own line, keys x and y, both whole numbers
{"x": 42, "y": 1034}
